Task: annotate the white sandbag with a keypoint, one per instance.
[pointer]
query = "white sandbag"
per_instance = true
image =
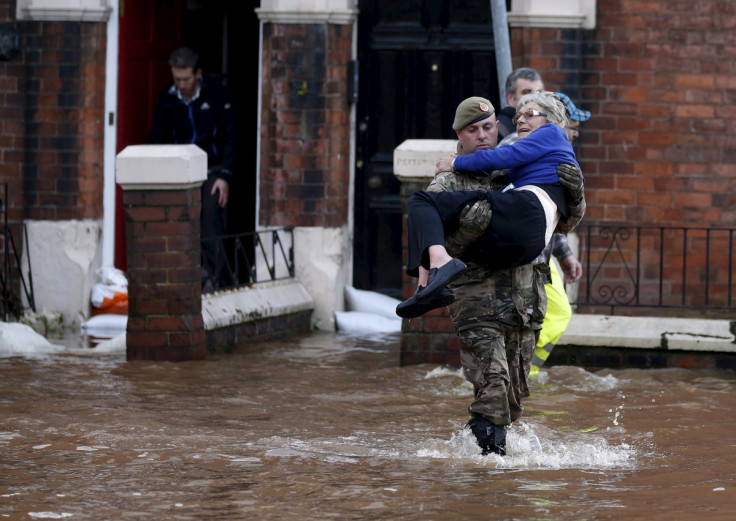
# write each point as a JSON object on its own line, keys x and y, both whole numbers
{"x": 360, "y": 322}
{"x": 105, "y": 325}
{"x": 112, "y": 277}
{"x": 370, "y": 302}
{"x": 21, "y": 340}
{"x": 113, "y": 346}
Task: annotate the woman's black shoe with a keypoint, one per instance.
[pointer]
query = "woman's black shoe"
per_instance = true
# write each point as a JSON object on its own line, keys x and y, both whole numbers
{"x": 412, "y": 308}
{"x": 441, "y": 277}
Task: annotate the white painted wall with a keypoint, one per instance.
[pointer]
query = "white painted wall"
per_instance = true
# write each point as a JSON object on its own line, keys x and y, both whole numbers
{"x": 560, "y": 13}
{"x": 322, "y": 259}
{"x": 64, "y": 257}
{"x": 308, "y": 11}
{"x": 64, "y": 10}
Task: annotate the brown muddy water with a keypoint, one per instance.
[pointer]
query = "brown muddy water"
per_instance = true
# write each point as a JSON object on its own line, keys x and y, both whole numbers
{"x": 326, "y": 426}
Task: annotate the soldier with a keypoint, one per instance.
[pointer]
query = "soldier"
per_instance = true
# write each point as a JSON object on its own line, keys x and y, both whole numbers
{"x": 497, "y": 313}
{"x": 525, "y": 214}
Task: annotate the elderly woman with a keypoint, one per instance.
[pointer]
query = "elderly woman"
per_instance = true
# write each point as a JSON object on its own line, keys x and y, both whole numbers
{"x": 524, "y": 215}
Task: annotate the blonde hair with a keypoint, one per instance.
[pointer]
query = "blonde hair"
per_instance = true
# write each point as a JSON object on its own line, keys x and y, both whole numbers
{"x": 550, "y": 104}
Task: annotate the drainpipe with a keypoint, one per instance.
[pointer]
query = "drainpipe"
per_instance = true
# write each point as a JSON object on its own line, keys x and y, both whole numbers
{"x": 110, "y": 140}
{"x": 503, "y": 47}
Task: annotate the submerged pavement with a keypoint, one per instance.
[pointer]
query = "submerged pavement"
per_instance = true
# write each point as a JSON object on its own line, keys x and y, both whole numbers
{"x": 684, "y": 334}
{"x": 370, "y": 312}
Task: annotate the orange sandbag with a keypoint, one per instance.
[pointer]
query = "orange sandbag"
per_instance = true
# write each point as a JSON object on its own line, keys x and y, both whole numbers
{"x": 113, "y": 303}
{"x": 110, "y": 294}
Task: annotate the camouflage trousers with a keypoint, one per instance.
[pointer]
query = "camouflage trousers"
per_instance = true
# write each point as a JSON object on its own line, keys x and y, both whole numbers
{"x": 496, "y": 359}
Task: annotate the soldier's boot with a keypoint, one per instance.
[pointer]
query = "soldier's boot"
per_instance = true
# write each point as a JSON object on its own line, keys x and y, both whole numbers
{"x": 491, "y": 438}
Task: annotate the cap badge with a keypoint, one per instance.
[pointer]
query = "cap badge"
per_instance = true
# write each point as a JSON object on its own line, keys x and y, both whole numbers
{"x": 484, "y": 107}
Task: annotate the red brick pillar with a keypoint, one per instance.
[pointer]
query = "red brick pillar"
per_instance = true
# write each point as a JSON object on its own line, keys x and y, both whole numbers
{"x": 430, "y": 338}
{"x": 161, "y": 198}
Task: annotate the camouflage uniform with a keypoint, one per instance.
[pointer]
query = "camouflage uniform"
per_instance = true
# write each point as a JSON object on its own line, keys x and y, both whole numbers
{"x": 497, "y": 313}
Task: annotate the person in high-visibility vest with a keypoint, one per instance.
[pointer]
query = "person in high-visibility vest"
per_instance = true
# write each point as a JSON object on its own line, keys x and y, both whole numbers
{"x": 559, "y": 311}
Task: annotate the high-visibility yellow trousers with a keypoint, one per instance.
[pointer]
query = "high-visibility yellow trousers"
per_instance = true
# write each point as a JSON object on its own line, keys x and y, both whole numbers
{"x": 556, "y": 319}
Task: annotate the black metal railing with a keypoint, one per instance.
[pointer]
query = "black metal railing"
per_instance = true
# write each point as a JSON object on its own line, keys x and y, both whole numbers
{"x": 657, "y": 267}
{"x": 12, "y": 278}
{"x": 240, "y": 260}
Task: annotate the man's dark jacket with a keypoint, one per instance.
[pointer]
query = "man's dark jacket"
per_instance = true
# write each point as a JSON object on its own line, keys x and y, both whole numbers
{"x": 208, "y": 121}
{"x": 506, "y": 127}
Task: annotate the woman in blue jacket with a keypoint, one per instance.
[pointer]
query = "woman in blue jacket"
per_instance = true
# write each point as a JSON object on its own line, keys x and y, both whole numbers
{"x": 524, "y": 215}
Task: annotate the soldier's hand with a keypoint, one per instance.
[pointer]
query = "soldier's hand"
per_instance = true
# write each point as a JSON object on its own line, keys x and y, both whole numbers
{"x": 476, "y": 218}
{"x": 571, "y": 177}
{"x": 473, "y": 223}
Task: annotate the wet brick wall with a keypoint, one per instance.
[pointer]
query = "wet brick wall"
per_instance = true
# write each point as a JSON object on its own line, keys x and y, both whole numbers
{"x": 164, "y": 275}
{"x": 430, "y": 338}
{"x": 658, "y": 77}
{"x": 60, "y": 97}
{"x": 660, "y": 147}
{"x": 305, "y": 147}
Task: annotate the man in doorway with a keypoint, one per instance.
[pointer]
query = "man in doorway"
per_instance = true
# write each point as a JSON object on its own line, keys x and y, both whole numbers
{"x": 521, "y": 81}
{"x": 196, "y": 110}
{"x": 496, "y": 313}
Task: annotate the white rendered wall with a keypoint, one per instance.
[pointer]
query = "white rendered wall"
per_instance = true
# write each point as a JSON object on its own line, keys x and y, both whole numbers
{"x": 64, "y": 10}
{"x": 308, "y": 11}
{"x": 321, "y": 259}
{"x": 64, "y": 257}
{"x": 560, "y": 13}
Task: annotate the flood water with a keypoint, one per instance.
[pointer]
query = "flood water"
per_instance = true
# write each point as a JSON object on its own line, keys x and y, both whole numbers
{"x": 326, "y": 426}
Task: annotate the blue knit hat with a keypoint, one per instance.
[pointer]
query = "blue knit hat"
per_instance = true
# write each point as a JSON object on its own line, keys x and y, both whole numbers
{"x": 572, "y": 111}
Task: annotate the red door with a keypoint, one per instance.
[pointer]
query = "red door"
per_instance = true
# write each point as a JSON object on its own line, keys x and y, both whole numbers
{"x": 149, "y": 31}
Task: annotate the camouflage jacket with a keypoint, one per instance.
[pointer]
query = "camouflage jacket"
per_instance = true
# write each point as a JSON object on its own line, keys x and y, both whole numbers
{"x": 512, "y": 296}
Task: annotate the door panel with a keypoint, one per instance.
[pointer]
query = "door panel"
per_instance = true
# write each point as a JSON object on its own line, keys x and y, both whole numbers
{"x": 149, "y": 31}
{"x": 417, "y": 61}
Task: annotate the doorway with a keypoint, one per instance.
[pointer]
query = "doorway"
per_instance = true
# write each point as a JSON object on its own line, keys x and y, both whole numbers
{"x": 149, "y": 32}
{"x": 423, "y": 57}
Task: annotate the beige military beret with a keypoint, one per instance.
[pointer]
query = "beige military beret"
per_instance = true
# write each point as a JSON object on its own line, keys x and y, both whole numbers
{"x": 472, "y": 110}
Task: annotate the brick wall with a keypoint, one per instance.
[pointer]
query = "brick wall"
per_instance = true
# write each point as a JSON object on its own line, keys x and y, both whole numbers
{"x": 430, "y": 338}
{"x": 658, "y": 77}
{"x": 165, "y": 297}
{"x": 59, "y": 94}
{"x": 305, "y": 151}
{"x": 597, "y": 357}
{"x": 52, "y": 96}
{"x": 12, "y": 130}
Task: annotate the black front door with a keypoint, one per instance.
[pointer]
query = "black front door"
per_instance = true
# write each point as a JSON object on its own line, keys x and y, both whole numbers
{"x": 417, "y": 60}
